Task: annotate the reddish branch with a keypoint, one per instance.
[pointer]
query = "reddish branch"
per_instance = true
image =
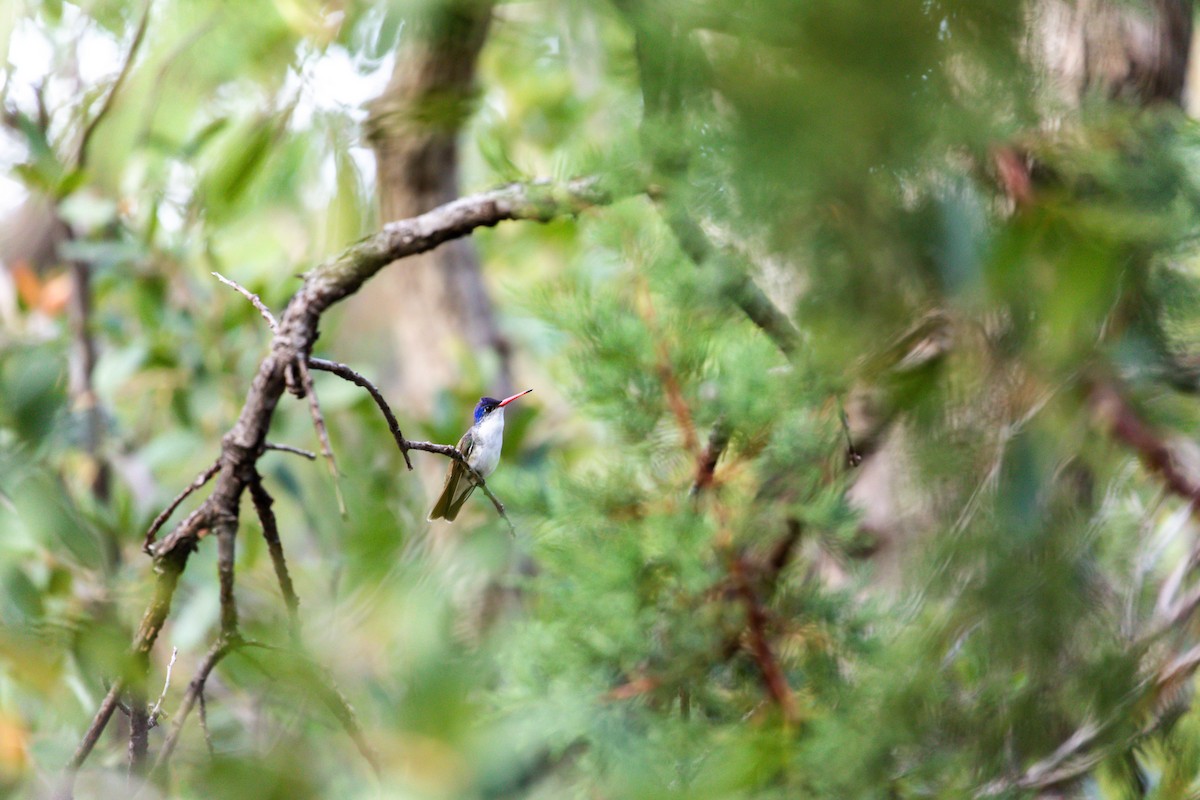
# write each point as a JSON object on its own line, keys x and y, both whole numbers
{"x": 666, "y": 374}
{"x": 745, "y": 582}
{"x": 1115, "y": 412}
{"x": 760, "y": 647}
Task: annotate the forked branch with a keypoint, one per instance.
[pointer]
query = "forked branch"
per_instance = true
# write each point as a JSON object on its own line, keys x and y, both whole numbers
{"x": 294, "y": 335}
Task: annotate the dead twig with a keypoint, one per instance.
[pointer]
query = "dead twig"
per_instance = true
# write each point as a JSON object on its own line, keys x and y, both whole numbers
{"x": 160, "y": 520}
{"x": 314, "y": 407}
{"x": 203, "y": 716}
{"x": 139, "y": 731}
{"x": 220, "y": 648}
{"x": 156, "y": 712}
{"x": 169, "y": 569}
{"x": 254, "y": 299}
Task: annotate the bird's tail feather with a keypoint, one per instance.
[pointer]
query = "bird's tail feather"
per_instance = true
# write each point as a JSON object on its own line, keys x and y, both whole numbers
{"x": 454, "y": 495}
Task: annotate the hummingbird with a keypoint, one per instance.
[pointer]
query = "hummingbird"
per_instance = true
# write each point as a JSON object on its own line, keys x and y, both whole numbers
{"x": 480, "y": 445}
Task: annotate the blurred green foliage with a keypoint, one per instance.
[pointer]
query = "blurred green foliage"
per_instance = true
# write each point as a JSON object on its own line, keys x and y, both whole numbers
{"x": 840, "y": 154}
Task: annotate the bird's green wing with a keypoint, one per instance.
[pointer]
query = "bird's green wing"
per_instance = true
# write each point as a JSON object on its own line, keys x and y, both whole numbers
{"x": 458, "y": 486}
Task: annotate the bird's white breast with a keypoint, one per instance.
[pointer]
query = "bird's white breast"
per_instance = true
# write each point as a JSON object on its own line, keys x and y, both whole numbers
{"x": 489, "y": 438}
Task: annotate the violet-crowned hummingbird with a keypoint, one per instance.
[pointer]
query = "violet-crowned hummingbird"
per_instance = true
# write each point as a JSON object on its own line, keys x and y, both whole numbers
{"x": 480, "y": 445}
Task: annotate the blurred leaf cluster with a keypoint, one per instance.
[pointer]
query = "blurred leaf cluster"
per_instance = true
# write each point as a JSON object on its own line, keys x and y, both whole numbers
{"x": 839, "y": 154}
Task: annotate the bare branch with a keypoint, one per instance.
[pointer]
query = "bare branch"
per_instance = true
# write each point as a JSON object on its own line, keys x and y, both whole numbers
{"x": 343, "y": 371}
{"x": 198, "y": 483}
{"x": 254, "y": 299}
{"x": 342, "y": 277}
{"x": 262, "y": 504}
{"x": 287, "y": 448}
{"x": 156, "y": 712}
{"x": 314, "y": 407}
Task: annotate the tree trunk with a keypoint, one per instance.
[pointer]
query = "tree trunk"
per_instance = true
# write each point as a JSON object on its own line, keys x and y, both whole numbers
{"x": 436, "y": 306}
{"x": 1137, "y": 52}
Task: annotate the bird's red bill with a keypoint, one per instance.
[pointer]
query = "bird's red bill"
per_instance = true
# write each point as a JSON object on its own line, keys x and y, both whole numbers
{"x": 508, "y": 400}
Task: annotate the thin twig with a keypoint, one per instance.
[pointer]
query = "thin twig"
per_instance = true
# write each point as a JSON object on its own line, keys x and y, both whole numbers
{"x": 220, "y": 648}
{"x": 343, "y": 371}
{"x": 476, "y": 478}
{"x": 107, "y": 706}
{"x": 254, "y": 299}
{"x": 201, "y": 479}
{"x": 156, "y": 712}
{"x": 760, "y": 648}
{"x": 262, "y": 504}
{"x": 138, "y": 37}
{"x": 203, "y": 712}
{"x": 287, "y": 448}
{"x": 666, "y": 373}
{"x": 170, "y": 566}
{"x": 314, "y": 407}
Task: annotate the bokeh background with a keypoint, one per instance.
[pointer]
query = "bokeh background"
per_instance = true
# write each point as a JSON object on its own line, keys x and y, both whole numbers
{"x": 861, "y": 459}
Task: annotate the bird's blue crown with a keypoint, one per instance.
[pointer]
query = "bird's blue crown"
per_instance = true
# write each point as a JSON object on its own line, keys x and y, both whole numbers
{"x": 485, "y": 405}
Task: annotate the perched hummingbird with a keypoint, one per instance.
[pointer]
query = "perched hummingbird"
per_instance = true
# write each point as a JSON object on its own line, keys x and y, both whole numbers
{"x": 480, "y": 445}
